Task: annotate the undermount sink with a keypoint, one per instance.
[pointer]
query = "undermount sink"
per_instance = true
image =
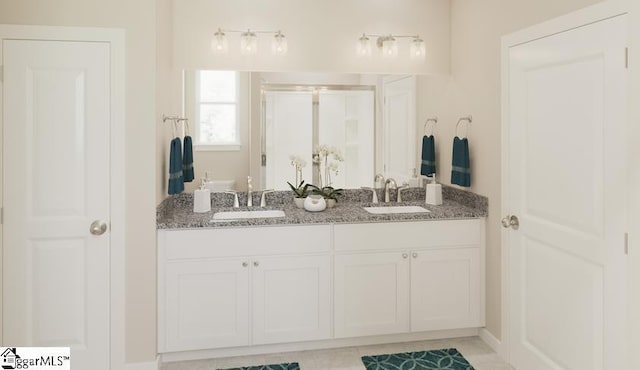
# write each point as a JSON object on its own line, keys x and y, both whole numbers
{"x": 395, "y": 209}
{"x": 239, "y": 215}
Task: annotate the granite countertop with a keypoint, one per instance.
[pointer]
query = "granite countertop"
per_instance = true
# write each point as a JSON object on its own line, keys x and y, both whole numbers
{"x": 176, "y": 212}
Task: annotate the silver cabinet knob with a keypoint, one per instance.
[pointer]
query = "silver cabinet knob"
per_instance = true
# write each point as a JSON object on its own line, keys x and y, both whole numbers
{"x": 511, "y": 221}
{"x": 245, "y": 264}
{"x": 405, "y": 255}
{"x": 98, "y": 227}
{"x": 256, "y": 263}
{"x": 414, "y": 255}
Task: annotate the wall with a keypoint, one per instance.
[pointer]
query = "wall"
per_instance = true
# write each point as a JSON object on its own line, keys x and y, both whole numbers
{"x": 476, "y": 28}
{"x": 140, "y": 130}
{"x": 321, "y": 35}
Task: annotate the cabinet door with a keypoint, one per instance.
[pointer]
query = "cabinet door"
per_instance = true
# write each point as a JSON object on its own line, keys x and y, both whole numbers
{"x": 291, "y": 299}
{"x": 207, "y": 304}
{"x": 445, "y": 289}
{"x": 371, "y": 294}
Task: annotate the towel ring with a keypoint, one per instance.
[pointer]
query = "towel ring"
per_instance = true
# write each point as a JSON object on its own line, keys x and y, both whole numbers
{"x": 468, "y": 119}
{"x": 432, "y": 119}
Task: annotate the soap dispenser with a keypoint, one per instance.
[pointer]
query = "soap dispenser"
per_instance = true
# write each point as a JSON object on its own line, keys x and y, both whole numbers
{"x": 202, "y": 199}
{"x": 433, "y": 192}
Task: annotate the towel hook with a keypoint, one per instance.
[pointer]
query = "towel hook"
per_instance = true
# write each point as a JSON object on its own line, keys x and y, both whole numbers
{"x": 468, "y": 119}
{"x": 431, "y": 119}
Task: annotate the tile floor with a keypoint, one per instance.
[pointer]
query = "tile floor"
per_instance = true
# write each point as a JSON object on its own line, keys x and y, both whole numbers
{"x": 479, "y": 354}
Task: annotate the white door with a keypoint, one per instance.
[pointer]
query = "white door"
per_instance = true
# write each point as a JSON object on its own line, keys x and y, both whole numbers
{"x": 371, "y": 294}
{"x": 207, "y": 304}
{"x": 280, "y": 281}
{"x": 399, "y": 128}
{"x": 445, "y": 289}
{"x": 567, "y": 102}
{"x": 56, "y": 183}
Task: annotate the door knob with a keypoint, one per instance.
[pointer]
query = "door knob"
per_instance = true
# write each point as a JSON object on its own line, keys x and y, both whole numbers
{"x": 97, "y": 227}
{"x": 511, "y": 222}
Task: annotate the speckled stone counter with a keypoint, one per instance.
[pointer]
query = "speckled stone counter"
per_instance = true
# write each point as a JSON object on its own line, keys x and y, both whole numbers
{"x": 176, "y": 212}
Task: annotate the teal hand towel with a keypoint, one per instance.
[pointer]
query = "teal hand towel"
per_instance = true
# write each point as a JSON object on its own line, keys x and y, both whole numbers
{"x": 187, "y": 160}
{"x": 461, "y": 169}
{"x": 176, "y": 180}
{"x": 428, "y": 165}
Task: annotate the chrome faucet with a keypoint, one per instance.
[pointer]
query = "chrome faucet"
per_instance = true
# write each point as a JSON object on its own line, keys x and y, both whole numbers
{"x": 377, "y": 179}
{"x": 389, "y": 181}
{"x": 263, "y": 198}
{"x": 249, "y": 192}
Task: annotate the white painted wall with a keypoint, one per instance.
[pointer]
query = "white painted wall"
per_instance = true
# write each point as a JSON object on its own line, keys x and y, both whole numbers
{"x": 321, "y": 35}
{"x": 138, "y": 20}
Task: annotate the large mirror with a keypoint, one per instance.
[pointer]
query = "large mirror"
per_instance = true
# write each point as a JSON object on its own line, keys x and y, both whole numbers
{"x": 253, "y": 123}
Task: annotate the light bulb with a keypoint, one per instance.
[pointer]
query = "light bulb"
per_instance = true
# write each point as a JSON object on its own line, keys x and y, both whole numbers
{"x": 389, "y": 47}
{"x": 219, "y": 43}
{"x": 279, "y": 44}
{"x": 363, "y": 46}
{"x": 248, "y": 43}
{"x": 418, "y": 49}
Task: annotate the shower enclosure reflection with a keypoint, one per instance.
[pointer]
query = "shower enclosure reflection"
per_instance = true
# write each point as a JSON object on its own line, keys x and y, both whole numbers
{"x": 297, "y": 119}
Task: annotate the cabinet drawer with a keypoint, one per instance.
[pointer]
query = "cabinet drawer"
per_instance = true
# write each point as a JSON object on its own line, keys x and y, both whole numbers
{"x": 408, "y": 235}
{"x": 239, "y": 242}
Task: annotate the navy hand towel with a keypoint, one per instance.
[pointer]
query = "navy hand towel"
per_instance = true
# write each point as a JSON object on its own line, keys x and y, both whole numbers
{"x": 428, "y": 165}
{"x": 461, "y": 169}
{"x": 187, "y": 160}
{"x": 176, "y": 181}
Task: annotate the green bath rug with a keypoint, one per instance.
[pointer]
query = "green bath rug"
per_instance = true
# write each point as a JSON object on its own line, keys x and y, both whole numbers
{"x": 441, "y": 359}
{"x": 285, "y": 366}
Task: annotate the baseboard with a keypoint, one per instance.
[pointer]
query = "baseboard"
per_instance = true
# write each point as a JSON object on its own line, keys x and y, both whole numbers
{"x": 492, "y": 342}
{"x": 315, "y": 345}
{"x": 151, "y": 365}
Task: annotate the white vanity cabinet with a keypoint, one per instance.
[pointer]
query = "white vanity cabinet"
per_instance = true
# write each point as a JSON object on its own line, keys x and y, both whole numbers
{"x": 269, "y": 288}
{"x": 408, "y": 277}
{"x": 234, "y": 287}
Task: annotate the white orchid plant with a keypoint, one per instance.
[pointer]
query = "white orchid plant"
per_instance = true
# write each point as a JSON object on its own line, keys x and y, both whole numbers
{"x": 327, "y": 158}
{"x": 300, "y": 188}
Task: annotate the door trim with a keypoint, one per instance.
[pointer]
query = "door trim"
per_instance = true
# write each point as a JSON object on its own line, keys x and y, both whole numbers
{"x": 116, "y": 39}
{"x": 580, "y": 18}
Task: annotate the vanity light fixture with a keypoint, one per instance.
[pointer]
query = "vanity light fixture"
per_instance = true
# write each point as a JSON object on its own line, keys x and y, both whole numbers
{"x": 248, "y": 41}
{"x": 363, "y": 47}
{"x": 388, "y": 45}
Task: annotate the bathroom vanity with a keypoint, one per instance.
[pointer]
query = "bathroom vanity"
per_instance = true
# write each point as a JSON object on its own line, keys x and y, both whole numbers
{"x": 339, "y": 277}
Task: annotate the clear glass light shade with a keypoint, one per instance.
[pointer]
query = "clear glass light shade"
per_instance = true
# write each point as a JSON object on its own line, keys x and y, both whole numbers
{"x": 279, "y": 44}
{"x": 363, "y": 46}
{"x": 418, "y": 49}
{"x": 248, "y": 43}
{"x": 219, "y": 44}
{"x": 389, "y": 47}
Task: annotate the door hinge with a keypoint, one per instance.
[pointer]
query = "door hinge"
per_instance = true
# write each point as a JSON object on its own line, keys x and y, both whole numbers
{"x": 626, "y": 243}
{"x": 626, "y": 58}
